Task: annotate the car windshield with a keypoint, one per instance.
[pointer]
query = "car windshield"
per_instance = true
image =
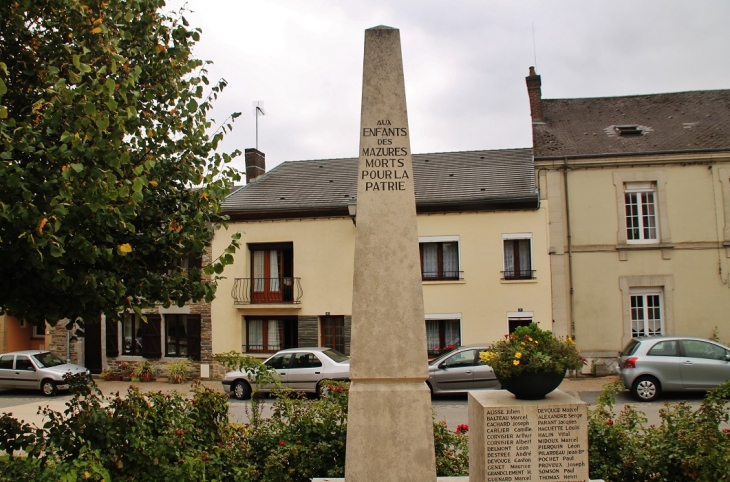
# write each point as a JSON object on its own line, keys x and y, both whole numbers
{"x": 47, "y": 359}
{"x": 336, "y": 355}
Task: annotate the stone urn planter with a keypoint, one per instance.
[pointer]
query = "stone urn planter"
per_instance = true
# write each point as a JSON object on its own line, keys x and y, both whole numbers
{"x": 531, "y": 386}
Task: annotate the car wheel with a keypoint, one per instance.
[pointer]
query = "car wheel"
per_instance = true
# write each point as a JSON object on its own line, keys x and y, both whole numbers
{"x": 646, "y": 389}
{"x": 48, "y": 387}
{"x": 241, "y": 390}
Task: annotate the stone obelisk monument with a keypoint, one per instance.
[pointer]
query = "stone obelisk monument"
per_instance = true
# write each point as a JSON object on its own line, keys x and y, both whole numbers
{"x": 390, "y": 431}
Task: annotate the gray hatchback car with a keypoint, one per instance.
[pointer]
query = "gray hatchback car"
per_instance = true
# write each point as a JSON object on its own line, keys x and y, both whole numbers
{"x": 651, "y": 365}
{"x": 461, "y": 370}
{"x": 36, "y": 369}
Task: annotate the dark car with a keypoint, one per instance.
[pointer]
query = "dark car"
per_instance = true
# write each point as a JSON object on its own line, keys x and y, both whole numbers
{"x": 656, "y": 364}
{"x": 36, "y": 369}
{"x": 461, "y": 370}
{"x": 301, "y": 369}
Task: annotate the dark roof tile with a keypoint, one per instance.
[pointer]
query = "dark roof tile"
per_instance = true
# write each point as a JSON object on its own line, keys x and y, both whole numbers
{"x": 682, "y": 121}
{"x": 496, "y": 178}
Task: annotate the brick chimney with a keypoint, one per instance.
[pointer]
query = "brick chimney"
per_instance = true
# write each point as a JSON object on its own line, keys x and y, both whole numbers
{"x": 535, "y": 94}
{"x": 255, "y": 164}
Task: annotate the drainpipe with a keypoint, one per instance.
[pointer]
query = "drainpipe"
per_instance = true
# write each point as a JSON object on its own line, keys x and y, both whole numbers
{"x": 68, "y": 345}
{"x": 571, "y": 328}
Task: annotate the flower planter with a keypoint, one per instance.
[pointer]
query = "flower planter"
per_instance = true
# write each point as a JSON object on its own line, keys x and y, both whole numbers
{"x": 531, "y": 386}
{"x": 146, "y": 377}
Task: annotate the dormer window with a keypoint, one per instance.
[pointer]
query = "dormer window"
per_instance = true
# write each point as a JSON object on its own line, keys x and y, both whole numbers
{"x": 628, "y": 131}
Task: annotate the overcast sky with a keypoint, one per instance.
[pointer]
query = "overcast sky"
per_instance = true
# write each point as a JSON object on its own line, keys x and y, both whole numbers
{"x": 465, "y": 64}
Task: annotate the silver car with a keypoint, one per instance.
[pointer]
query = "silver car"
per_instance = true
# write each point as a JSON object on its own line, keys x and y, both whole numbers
{"x": 651, "y": 365}
{"x": 460, "y": 370}
{"x": 36, "y": 369}
{"x": 301, "y": 369}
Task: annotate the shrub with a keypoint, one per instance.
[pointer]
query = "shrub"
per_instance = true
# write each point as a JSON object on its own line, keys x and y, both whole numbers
{"x": 687, "y": 445}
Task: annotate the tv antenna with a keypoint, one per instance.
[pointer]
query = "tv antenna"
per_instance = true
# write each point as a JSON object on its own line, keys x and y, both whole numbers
{"x": 258, "y": 108}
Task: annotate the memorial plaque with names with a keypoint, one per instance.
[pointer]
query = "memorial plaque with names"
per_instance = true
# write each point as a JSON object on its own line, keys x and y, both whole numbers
{"x": 528, "y": 440}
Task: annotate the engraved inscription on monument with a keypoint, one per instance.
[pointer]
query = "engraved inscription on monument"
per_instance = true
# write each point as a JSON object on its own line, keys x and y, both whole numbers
{"x": 385, "y": 161}
{"x": 536, "y": 440}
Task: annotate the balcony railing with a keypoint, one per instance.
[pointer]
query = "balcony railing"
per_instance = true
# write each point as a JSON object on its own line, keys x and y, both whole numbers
{"x": 518, "y": 275}
{"x": 247, "y": 291}
{"x": 445, "y": 275}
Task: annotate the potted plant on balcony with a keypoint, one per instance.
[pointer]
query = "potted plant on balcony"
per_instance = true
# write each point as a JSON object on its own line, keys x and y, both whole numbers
{"x": 531, "y": 362}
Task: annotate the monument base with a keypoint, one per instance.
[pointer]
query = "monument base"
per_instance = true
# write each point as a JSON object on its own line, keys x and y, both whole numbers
{"x": 389, "y": 432}
{"x": 524, "y": 440}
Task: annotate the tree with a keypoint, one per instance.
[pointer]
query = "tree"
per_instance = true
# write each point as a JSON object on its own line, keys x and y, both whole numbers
{"x": 109, "y": 166}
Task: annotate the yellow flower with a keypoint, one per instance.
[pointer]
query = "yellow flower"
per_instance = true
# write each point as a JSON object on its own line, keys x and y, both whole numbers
{"x": 518, "y": 355}
{"x": 124, "y": 249}
{"x": 87, "y": 475}
{"x": 42, "y": 223}
{"x": 536, "y": 342}
{"x": 570, "y": 340}
{"x": 522, "y": 343}
{"x": 515, "y": 362}
{"x": 153, "y": 183}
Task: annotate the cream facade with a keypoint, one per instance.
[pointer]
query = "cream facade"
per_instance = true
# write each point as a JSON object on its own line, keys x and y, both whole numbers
{"x": 478, "y": 300}
{"x": 686, "y": 267}
{"x": 638, "y": 189}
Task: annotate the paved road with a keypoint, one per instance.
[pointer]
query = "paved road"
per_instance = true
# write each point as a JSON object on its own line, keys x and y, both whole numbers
{"x": 24, "y": 403}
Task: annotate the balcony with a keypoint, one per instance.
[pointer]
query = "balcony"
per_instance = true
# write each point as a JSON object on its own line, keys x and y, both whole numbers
{"x": 253, "y": 291}
{"x": 518, "y": 275}
{"x": 442, "y": 276}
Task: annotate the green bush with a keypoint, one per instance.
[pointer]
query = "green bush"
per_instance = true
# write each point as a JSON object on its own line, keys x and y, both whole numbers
{"x": 687, "y": 445}
{"x": 166, "y": 437}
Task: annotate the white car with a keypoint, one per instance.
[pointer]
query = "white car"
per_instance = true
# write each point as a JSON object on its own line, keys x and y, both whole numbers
{"x": 301, "y": 369}
{"x": 36, "y": 369}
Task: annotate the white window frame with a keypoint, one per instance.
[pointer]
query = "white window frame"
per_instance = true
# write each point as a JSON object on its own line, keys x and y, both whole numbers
{"x": 448, "y": 317}
{"x": 443, "y": 239}
{"x": 639, "y": 190}
{"x": 517, "y": 237}
{"x": 644, "y": 293}
{"x": 519, "y": 315}
{"x": 647, "y": 283}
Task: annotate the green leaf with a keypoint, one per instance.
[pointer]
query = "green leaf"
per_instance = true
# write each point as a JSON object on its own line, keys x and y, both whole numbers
{"x": 77, "y": 167}
{"x": 112, "y": 104}
{"x": 3, "y": 111}
{"x": 83, "y": 68}
{"x": 109, "y": 84}
{"x": 192, "y": 105}
{"x": 76, "y": 60}
{"x": 137, "y": 185}
{"x": 67, "y": 137}
{"x": 3, "y": 89}
{"x": 56, "y": 251}
{"x": 102, "y": 122}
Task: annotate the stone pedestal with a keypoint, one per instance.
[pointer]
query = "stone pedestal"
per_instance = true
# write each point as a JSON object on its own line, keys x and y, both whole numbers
{"x": 528, "y": 440}
{"x": 390, "y": 432}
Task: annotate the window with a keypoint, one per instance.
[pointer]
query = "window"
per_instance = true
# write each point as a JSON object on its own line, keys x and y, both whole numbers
{"x": 306, "y": 360}
{"x": 517, "y": 250}
{"x": 701, "y": 349}
{"x": 182, "y": 336}
{"x": 515, "y": 321}
{"x": 270, "y": 334}
{"x": 39, "y": 331}
{"x": 664, "y": 348}
{"x": 333, "y": 332}
{"x": 466, "y": 358}
{"x": 439, "y": 257}
{"x": 280, "y": 362}
{"x": 272, "y": 269}
{"x": 646, "y": 313}
{"x": 6, "y": 362}
{"x": 442, "y": 336}
{"x": 641, "y": 219}
{"x": 23, "y": 363}
{"x": 140, "y": 338}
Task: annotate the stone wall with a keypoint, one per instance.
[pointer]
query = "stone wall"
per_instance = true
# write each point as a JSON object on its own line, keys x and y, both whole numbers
{"x": 308, "y": 331}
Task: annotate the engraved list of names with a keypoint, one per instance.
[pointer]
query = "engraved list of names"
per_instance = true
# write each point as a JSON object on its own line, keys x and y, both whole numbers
{"x": 537, "y": 440}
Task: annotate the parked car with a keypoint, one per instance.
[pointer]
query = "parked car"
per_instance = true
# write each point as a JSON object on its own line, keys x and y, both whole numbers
{"x": 301, "y": 369}
{"x": 651, "y": 365}
{"x": 36, "y": 369}
{"x": 459, "y": 371}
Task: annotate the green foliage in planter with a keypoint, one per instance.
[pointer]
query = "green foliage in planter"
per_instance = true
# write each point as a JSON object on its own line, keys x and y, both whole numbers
{"x": 143, "y": 368}
{"x": 688, "y": 444}
{"x": 178, "y": 371}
